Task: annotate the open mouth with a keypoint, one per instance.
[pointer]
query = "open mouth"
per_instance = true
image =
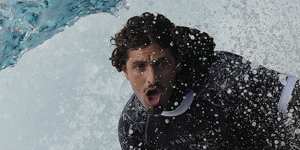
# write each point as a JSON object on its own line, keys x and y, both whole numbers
{"x": 154, "y": 96}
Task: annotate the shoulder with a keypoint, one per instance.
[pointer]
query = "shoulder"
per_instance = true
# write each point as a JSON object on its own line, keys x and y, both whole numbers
{"x": 233, "y": 69}
{"x": 133, "y": 110}
{"x": 131, "y": 124}
{"x": 229, "y": 63}
{"x": 233, "y": 79}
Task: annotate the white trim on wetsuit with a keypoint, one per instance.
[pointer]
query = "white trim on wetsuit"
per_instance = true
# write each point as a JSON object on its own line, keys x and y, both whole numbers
{"x": 286, "y": 94}
{"x": 183, "y": 107}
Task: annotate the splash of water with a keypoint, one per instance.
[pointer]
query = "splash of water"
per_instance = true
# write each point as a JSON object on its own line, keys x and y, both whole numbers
{"x": 24, "y": 24}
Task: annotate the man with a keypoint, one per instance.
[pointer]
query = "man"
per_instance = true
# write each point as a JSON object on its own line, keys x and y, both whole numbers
{"x": 186, "y": 96}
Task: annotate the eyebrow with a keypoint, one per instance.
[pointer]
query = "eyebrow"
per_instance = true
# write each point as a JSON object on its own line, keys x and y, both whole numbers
{"x": 138, "y": 62}
{"x": 164, "y": 58}
{"x": 142, "y": 61}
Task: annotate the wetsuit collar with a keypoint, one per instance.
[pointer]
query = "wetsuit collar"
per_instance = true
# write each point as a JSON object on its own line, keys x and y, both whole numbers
{"x": 183, "y": 107}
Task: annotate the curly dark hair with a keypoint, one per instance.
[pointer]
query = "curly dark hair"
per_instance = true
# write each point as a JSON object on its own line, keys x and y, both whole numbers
{"x": 139, "y": 32}
{"x": 192, "y": 49}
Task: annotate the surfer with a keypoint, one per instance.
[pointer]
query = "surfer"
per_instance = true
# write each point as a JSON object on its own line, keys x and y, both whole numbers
{"x": 188, "y": 96}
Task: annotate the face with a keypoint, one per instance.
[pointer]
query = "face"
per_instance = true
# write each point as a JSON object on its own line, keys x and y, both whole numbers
{"x": 151, "y": 73}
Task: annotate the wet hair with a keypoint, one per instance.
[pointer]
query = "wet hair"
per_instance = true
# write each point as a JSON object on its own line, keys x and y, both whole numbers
{"x": 192, "y": 49}
{"x": 139, "y": 32}
{"x": 195, "y": 53}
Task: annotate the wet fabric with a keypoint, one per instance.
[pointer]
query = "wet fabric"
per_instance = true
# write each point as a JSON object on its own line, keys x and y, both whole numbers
{"x": 236, "y": 108}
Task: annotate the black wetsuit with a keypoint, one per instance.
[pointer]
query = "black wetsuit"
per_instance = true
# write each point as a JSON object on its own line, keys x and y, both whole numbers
{"x": 239, "y": 107}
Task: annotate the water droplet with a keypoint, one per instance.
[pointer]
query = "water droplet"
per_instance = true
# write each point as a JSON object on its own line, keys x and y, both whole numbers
{"x": 191, "y": 36}
{"x": 167, "y": 121}
{"x": 269, "y": 94}
{"x": 297, "y": 131}
{"x": 175, "y": 103}
{"x": 229, "y": 91}
{"x": 130, "y": 132}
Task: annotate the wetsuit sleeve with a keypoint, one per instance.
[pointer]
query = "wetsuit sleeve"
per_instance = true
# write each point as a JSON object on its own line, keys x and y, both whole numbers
{"x": 252, "y": 95}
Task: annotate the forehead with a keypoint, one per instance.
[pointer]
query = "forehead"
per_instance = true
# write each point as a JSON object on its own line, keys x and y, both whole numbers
{"x": 153, "y": 51}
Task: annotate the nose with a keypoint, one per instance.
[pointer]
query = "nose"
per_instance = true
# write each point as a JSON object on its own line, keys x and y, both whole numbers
{"x": 152, "y": 75}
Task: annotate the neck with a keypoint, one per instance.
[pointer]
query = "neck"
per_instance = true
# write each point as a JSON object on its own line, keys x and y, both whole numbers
{"x": 176, "y": 97}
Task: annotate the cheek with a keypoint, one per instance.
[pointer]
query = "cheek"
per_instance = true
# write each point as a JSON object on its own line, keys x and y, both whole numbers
{"x": 137, "y": 83}
{"x": 169, "y": 76}
{"x": 172, "y": 71}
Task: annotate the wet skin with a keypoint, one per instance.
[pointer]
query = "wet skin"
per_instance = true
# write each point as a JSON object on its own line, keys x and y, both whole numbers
{"x": 151, "y": 72}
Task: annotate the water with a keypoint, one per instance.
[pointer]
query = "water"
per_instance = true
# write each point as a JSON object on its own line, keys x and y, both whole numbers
{"x": 24, "y": 24}
{"x": 63, "y": 93}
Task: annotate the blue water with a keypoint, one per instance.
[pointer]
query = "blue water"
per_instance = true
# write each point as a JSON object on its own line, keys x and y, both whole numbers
{"x": 24, "y": 24}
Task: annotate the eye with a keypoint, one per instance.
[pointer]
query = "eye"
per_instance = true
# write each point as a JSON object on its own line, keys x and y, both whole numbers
{"x": 140, "y": 67}
{"x": 163, "y": 63}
